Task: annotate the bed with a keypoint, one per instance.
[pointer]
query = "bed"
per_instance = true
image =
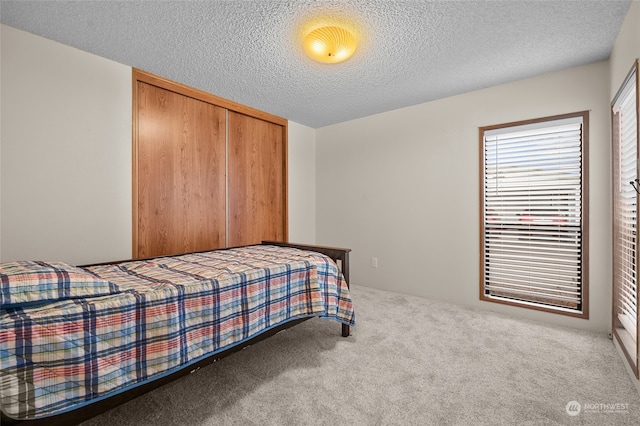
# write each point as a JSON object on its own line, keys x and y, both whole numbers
{"x": 77, "y": 341}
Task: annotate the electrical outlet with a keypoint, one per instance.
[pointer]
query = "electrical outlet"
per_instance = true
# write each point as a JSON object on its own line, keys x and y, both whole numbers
{"x": 374, "y": 262}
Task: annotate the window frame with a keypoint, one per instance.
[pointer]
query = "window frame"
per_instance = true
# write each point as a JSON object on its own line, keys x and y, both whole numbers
{"x": 628, "y": 343}
{"x": 583, "y": 313}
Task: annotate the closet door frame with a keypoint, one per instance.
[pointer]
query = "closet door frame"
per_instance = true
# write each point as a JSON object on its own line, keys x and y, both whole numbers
{"x": 161, "y": 82}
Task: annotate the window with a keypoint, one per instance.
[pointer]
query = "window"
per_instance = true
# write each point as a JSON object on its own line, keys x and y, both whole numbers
{"x": 533, "y": 244}
{"x": 624, "y": 143}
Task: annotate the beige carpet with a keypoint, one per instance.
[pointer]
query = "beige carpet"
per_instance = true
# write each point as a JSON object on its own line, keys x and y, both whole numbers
{"x": 409, "y": 361}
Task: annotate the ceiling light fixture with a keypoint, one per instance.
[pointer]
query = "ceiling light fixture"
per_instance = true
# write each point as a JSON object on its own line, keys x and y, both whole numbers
{"x": 330, "y": 44}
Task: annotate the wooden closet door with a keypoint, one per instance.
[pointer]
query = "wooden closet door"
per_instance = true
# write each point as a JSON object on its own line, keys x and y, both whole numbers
{"x": 257, "y": 180}
{"x": 180, "y": 173}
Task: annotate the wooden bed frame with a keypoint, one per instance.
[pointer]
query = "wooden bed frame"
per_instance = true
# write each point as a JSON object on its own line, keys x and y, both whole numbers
{"x": 74, "y": 417}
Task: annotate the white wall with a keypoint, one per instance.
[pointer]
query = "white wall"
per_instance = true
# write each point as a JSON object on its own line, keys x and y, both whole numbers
{"x": 65, "y": 165}
{"x": 625, "y": 51}
{"x": 66, "y": 152}
{"x": 403, "y": 187}
{"x": 302, "y": 183}
{"x": 0, "y": 144}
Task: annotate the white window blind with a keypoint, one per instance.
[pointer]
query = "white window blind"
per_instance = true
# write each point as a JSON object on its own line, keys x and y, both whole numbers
{"x": 625, "y": 197}
{"x": 533, "y": 214}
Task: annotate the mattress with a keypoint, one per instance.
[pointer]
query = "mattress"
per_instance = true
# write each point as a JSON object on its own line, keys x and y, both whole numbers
{"x": 70, "y": 336}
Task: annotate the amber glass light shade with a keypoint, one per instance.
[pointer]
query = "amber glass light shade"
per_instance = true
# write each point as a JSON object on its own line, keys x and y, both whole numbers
{"x": 330, "y": 44}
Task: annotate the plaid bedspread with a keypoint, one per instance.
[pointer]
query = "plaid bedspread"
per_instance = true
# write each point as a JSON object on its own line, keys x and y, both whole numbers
{"x": 168, "y": 313}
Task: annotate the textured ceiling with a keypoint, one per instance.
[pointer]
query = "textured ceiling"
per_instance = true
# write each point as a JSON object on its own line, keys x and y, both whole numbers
{"x": 409, "y": 52}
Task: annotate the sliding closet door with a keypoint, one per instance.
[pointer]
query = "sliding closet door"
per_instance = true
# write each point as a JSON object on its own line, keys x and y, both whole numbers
{"x": 257, "y": 170}
{"x": 180, "y": 173}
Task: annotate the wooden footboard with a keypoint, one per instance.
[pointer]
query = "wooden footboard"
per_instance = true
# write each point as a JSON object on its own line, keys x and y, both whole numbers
{"x": 339, "y": 255}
